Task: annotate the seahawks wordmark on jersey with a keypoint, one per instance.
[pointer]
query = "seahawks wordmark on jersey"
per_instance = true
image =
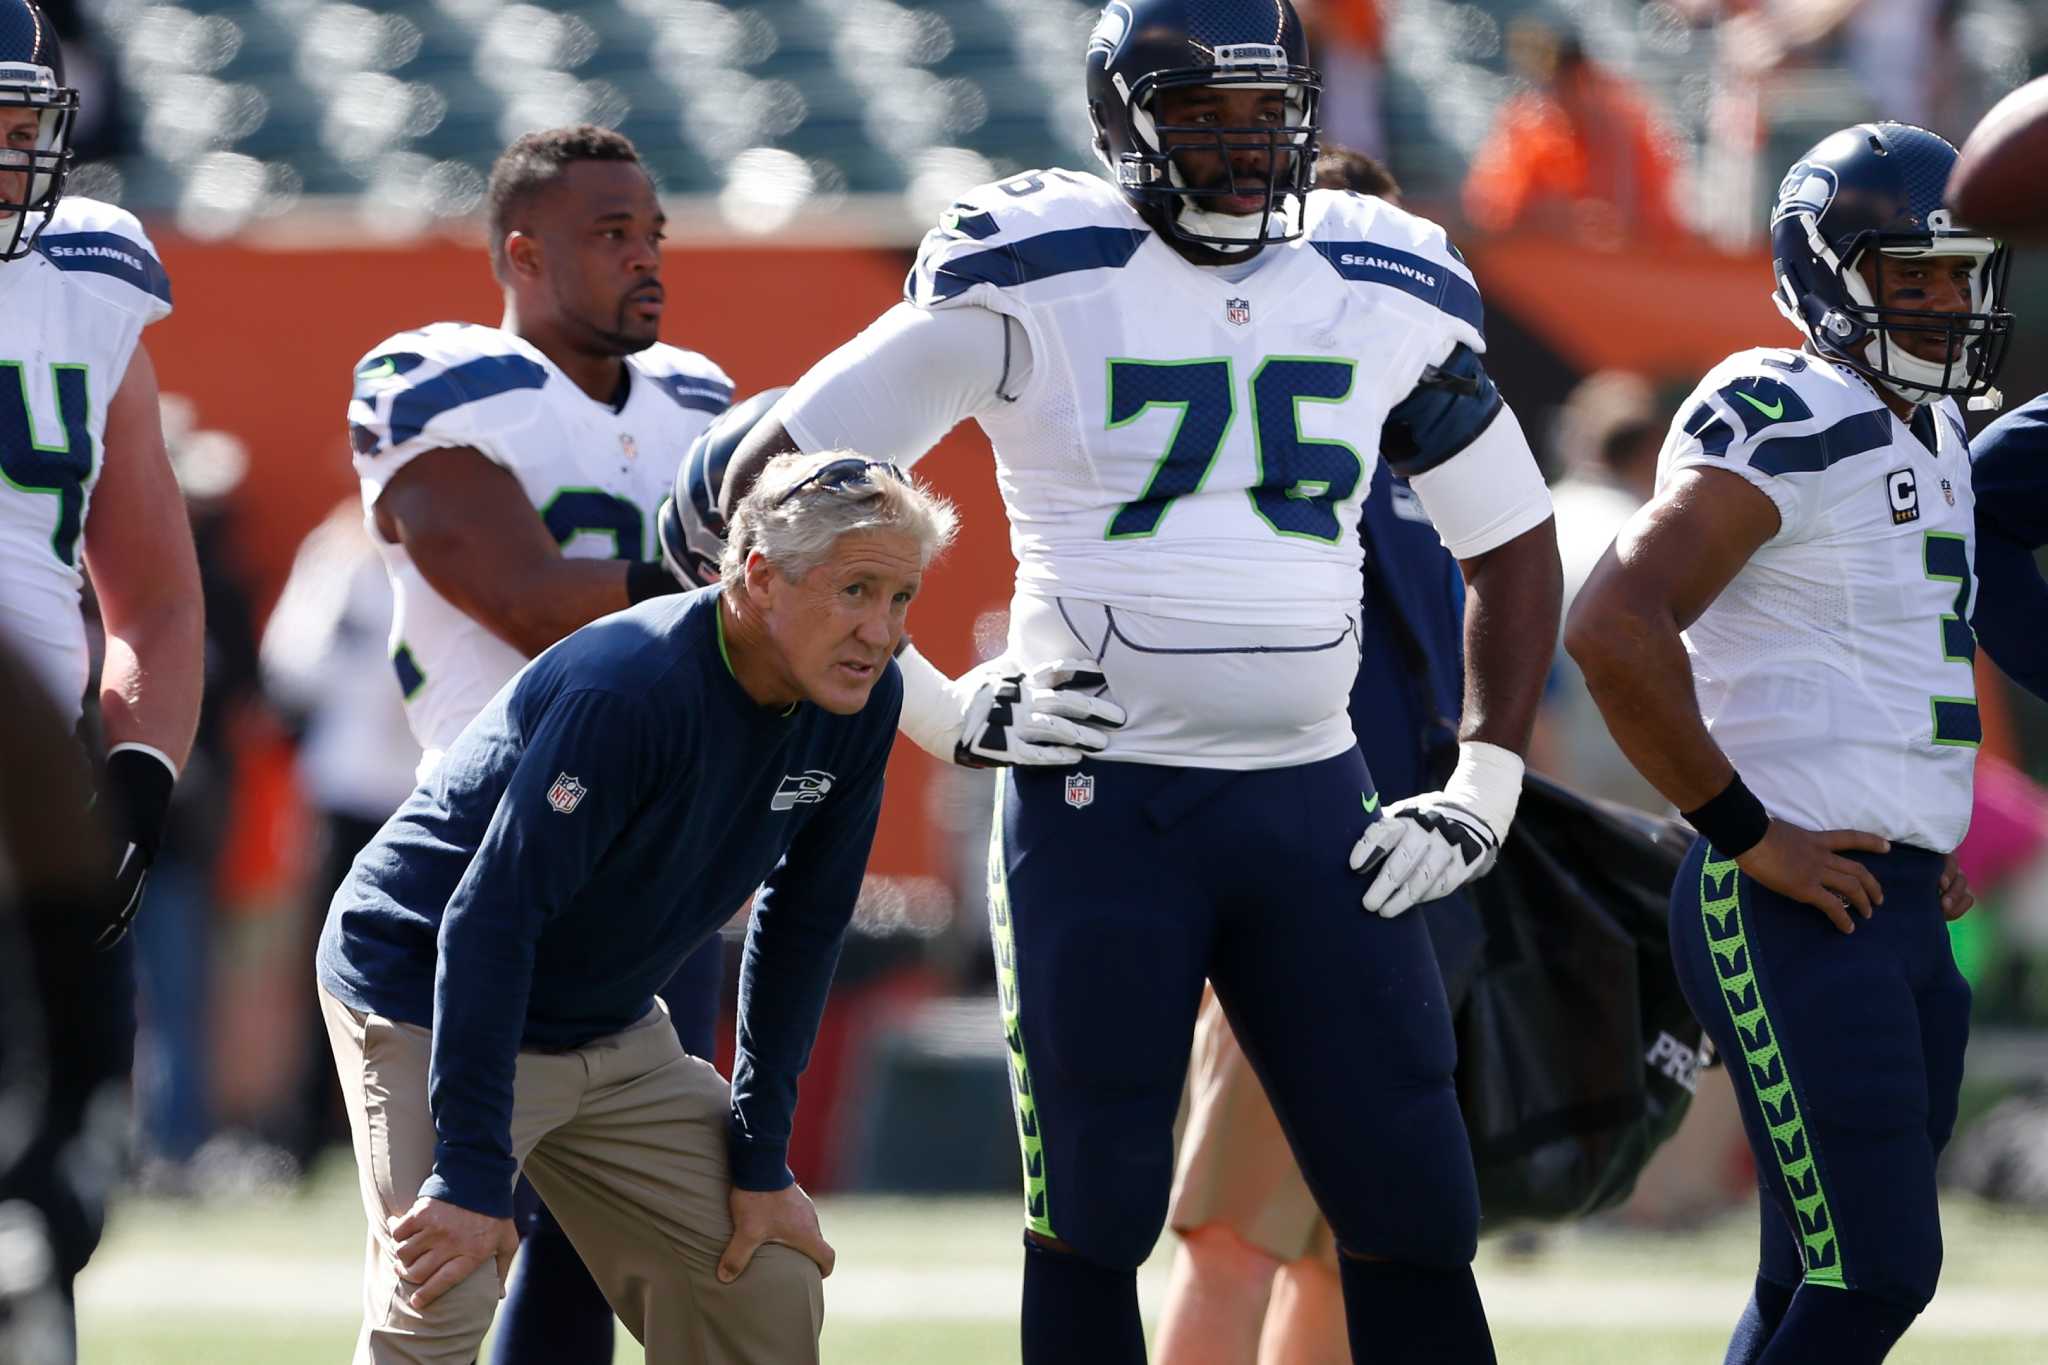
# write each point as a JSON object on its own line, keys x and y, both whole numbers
{"x": 1184, "y": 464}
{"x": 75, "y": 307}
{"x": 596, "y": 476}
{"x": 1836, "y": 668}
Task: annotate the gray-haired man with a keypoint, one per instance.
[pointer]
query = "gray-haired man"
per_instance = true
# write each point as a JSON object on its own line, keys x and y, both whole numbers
{"x": 489, "y": 968}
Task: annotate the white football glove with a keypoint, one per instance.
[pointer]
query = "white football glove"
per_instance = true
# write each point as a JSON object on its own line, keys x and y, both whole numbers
{"x": 997, "y": 715}
{"x": 1428, "y": 846}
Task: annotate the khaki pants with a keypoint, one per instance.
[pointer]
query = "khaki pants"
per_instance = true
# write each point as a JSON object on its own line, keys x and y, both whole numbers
{"x": 625, "y": 1140}
{"x": 1235, "y": 1167}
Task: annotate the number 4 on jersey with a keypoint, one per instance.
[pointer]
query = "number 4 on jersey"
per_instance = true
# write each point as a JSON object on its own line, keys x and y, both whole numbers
{"x": 60, "y": 470}
{"x": 1300, "y": 481}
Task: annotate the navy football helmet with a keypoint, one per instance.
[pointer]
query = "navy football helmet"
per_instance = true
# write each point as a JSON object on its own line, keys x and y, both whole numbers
{"x": 690, "y": 526}
{"x": 32, "y": 77}
{"x": 1875, "y": 191}
{"x": 1142, "y": 47}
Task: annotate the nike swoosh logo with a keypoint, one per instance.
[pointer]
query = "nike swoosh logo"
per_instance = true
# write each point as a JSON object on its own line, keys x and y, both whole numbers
{"x": 1772, "y": 410}
{"x": 383, "y": 369}
{"x": 1371, "y": 803}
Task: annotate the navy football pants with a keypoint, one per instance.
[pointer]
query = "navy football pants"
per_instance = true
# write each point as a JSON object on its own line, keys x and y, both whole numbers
{"x": 554, "y": 1312}
{"x": 1847, "y": 1056}
{"x": 1115, "y": 889}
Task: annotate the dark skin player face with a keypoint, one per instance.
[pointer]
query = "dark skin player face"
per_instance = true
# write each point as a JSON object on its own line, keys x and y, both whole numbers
{"x": 1937, "y": 284}
{"x": 1202, "y": 167}
{"x": 585, "y": 262}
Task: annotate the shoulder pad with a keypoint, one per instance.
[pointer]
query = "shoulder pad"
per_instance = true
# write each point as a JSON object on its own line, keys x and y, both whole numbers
{"x": 1370, "y": 242}
{"x": 1781, "y": 411}
{"x": 686, "y": 376}
{"x": 433, "y": 377}
{"x": 1030, "y": 227}
{"x": 105, "y": 249}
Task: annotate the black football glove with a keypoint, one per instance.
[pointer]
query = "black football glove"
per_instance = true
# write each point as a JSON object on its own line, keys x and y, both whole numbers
{"x": 138, "y": 790}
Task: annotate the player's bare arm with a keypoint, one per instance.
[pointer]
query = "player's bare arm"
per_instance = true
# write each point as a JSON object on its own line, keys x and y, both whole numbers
{"x": 1514, "y": 596}
{"x": 472, "y": 532}
{"x": 138, "y": 551}
{"x": 1666, "y": 567}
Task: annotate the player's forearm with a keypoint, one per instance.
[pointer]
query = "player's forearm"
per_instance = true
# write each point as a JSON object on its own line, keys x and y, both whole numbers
{"x": 550, "y": 600}
{"x": 1514, "y": 594}
{"x": 1637, "y": 671}
{"x": 154, "y": 671}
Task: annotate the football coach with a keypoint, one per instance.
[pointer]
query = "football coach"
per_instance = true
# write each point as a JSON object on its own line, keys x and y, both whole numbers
{"x": 488, "y": 969}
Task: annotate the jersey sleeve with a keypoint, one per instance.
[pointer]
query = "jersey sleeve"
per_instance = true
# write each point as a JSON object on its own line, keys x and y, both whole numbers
{"x": 1749, "y": 418}
{"x": 436, "y": 388}
{"x": 105, "y": 250}
{"x": 1002, "y": 244}
{"x": 1405, "y": 263}
{"x": 2009, "y": 471}
{"x": 692, "y": 380}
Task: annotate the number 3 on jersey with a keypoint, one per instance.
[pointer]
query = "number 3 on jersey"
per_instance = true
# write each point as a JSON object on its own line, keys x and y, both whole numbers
{"x": 1300, "y": 481}
{"x": 61, "y": 470}
{"x": 1948, "y": 561}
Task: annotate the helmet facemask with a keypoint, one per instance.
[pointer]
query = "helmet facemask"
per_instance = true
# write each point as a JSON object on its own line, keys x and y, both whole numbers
{"x": 1974, "y": 342}
{"x": 1152, "y": 171}
{"x": 45, "y": 167}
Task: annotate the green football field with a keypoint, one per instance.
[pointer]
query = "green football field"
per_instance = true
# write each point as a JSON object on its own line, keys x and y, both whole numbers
{"x": 926, "y": 1282}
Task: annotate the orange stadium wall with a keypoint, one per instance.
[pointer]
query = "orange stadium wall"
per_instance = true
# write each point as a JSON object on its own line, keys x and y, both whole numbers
{"x": 263, "y": 341}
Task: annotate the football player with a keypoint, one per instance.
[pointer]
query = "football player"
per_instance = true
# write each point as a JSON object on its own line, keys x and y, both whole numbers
{"x": 1187, "y": 372}
{"x": 2011, "y": 484}
{"x": 1780, "y": 643}
{"x": 510, "y": 475}
{"x": 87, "y": 490}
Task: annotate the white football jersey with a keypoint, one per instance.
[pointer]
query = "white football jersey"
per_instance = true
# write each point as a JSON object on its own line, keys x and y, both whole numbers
{"x": 596, "y": 476}
{"x": 1184, "y": 464}
{"x": 74, "y": 308}
{"x": 1835, "y": 669}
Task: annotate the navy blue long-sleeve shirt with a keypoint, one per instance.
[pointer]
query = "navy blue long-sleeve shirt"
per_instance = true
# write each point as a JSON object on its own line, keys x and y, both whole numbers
{"x": 602, "y": 817}
{"x": 2009, "y": 472}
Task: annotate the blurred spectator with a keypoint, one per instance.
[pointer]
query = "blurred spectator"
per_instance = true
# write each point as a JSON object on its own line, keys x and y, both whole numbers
{"x": 1608, "y": 436}
{"x": 101, "y": 128}
{"x": 1902, "y": 53}
{"x": 173, "y": 934}
{"x": 1580, "y": 153}
{"x": 1348, "y": 38}
{"x": 327, "y": 669}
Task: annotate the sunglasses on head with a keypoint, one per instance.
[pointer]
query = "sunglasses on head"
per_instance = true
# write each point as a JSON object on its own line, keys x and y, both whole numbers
{"x": 851, "y": 472}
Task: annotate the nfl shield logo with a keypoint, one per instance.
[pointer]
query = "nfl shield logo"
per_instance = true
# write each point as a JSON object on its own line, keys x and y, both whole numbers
{"x": 628, "y": 446}
{"x": 566, "y": 794}
{"x": 1239, "y": 311}
{"x": 1080, "y": 790}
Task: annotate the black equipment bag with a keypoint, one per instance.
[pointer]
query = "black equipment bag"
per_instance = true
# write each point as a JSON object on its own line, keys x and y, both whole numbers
{"x": 1577, "y": 1053}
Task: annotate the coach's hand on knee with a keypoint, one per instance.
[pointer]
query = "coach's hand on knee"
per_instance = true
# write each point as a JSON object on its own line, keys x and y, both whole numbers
{"x": 1805, "y": 865}
{"x": 786, "y": 1216}
{"x": 441, "y": 1244}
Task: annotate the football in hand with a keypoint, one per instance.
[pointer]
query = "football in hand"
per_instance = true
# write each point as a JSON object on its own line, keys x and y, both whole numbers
{"x": 2000, "y": 183}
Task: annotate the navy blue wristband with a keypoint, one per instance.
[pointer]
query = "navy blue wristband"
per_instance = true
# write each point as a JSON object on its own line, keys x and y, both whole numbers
{"x": 1734, "y": 822}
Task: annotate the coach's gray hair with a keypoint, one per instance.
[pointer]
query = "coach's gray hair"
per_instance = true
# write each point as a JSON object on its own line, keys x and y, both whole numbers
{"x": 797, "y": 536}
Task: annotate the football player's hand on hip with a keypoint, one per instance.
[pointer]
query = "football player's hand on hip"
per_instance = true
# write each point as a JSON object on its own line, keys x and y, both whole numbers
{"x": 761, "y": 1216}
{"x": 1428, "y": 846}
{"x": 441, "y": 1244}
{"x": 1954, "y": 890}
{"x": 1807, "y": 865}
{"x": 1421, "y": 849}
{"x": 1049, "y": 715}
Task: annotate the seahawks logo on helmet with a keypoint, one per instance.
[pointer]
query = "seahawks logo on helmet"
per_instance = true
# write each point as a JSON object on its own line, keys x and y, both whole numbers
{"x": 1111, "y": 29}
